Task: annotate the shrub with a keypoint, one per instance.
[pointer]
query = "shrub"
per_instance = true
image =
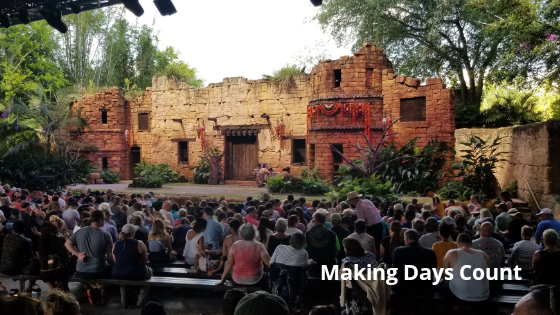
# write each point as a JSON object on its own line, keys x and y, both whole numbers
{"x": 110, "y": 176}
{"x": 457, "y": 190}
{"x": 307, "y": 182}
{"x": 181, "y": 71}
{"x": 373, "y": 187}
{"x": 201, "y": 171}
{"x": 284, "y": 79}
{"x": 154, "y": 175}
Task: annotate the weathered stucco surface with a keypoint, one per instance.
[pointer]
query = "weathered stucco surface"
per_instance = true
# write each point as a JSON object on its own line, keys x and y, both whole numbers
{"x": 533, "y": 153}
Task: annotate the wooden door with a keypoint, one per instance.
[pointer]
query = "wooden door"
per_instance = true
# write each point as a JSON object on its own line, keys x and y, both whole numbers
{"x": 135, "y": 158}
{"x": 244, "y": 155}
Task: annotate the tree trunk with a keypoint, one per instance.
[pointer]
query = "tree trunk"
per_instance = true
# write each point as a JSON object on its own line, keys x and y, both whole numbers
{"x": 214, "y": 169}
{"x": 464, "y": 93}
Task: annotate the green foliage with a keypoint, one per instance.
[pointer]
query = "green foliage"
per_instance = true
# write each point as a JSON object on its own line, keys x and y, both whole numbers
{"x": 506, "y": 106}
{"x": 110, "y": 177}
{"x": 181, "y": 71}
{"x": 511, "y": 188}
{"x": 202, "y": 169}
{"x": 284, "y": 78}
{"x": 373, "y": 187}
{"x": 307, "y": 182}
{"x": 477, "y": 165}
{"x": 151, "y": 173}
{"x": 457, "y": 190}
{"x": 417, "y": 170}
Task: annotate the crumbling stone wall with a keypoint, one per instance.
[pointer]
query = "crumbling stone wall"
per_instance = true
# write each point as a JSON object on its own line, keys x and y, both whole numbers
{"x": 531, "y": 152}
{"x": 107, "y": 138}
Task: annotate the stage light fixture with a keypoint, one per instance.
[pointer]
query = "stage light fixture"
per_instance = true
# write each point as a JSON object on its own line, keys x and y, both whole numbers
{"x": 53, "y": 16}
{"x": 165, "y": 7}
{"x": 23, "y": 16}
{"x": 76, "y": 8}
{"x": 316, "y": 3}
{"x": 5, "y": 20}
{"x": 134, "y": 7}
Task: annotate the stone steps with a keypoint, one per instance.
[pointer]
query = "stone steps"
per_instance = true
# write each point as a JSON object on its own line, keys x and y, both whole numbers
{"x": 240, "y": 182}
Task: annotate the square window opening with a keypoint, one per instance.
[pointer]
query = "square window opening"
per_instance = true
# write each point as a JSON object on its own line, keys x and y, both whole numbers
{"x": 104, "y": 163}
{"x": 104, "y": 117}
{"x": 337, "y": 77}
{"x": 413, "y": 109}
{"x": 337, "y": 158}
{"x": 143, "y": 122}
{"x": 299, "y": 154}
{"x": 183, "y": 152}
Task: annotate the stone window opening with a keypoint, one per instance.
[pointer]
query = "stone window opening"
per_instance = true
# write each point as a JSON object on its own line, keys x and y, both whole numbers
{"x": 104, "y": 163}
{"x": 337, "y": 77}
{"x": 413, "y": 109}
{"x": 299, "y": 151}
{"x": 337, "y": 158}
{"x": 104, "y": 117}
{"x": 183, "y": 152}
{"x": 143, "y": 122}
{"x": 369, "y": 77}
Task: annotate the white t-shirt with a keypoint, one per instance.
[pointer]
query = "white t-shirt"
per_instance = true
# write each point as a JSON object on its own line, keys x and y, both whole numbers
{"x": 290, "y": 256}
{"x": 292, "y": 230}
{"x": 70, "y": 217}
{"x": 62, "y": 203}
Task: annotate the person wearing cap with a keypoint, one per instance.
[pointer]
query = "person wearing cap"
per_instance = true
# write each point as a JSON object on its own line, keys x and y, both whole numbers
{"x": 261, "y": 302}
{"x": 366, "y": 210}
{"x": 547, "y": 222}
{"x": 513, "y": 233}
{"x": 108, "y": 226}
{"x": 503, "y": 219}
{"x": 437, "y": 204}
{"x": 341, "y": 233}
{"x": 214, "y": 233}
{"x": 442, "y": 247}
{"x": 475, "y": 212}
{"x": 131, "y": 256}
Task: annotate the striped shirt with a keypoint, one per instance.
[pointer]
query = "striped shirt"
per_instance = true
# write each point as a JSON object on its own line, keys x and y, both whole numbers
{"x": 289, "y": 256}
{"x": 522, "y": 254}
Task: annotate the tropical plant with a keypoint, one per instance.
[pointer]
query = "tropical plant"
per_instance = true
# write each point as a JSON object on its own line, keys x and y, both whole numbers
{"x": 307, "y": 182}
{"x": 156, "y": 172}
{"x": 284, "y": 78}
{"x": 181, "y": 71}
{"x": 455, "y": 189}
{"x": 110, "y": 176}
{"x": 476, "y": 166}
{"x": 373, "y": 187}
{"x": 506, "y": 106}
{"x": 201, "y": 172}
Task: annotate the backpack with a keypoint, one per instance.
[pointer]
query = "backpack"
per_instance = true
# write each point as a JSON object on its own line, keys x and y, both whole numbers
{"x": 52, "y": 269}
{"x": 281, "y": 286}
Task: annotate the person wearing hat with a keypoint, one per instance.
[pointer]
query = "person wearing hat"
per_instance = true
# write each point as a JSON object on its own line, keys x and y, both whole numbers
{"x": 513, "y": 233}
{"x": 437, "y": 204}
{"x": 503, "y": 219}
{"x": 547, "y": 222}
{"x": 109, "y": 226}
{"x": 341, "y": 233}
{"x": 130, "y": 257}
{"x": 214, "y": 233}
{"x": 261, "y": 302}
{"x": 366, "y": 210}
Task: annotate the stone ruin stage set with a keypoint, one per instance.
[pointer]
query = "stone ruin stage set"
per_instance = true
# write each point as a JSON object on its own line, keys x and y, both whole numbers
{"x": 252, "y": 121}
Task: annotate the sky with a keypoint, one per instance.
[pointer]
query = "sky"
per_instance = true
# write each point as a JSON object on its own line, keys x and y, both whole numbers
{"x": 232, "y": 38}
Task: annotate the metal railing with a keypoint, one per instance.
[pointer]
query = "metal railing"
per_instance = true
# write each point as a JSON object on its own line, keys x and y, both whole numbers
{"x": 52, "y": 182}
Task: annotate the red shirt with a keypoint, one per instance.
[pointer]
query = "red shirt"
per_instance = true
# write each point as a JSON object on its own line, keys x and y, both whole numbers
{"x": 281, "y": 211}
{"x": 252, "y": 221}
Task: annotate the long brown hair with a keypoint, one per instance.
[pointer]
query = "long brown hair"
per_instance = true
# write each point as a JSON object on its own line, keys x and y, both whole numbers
{"x": 158, "y": 231}
{"x": 396, "y": 236}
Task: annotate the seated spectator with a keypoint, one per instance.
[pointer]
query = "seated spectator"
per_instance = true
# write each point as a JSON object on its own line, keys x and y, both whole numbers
{"x": 492, "y": 247}
{"x": 503, "y": 219}
{"x": 231, "y": 299}
{"x": 292, "y": 255}
{"x": 278, "y": 238}
{"x": 522, "y": 252}
{"x": 54, "y": 209}
{"x": 367, "y": 241}
{"x": 261, "y": 302}
{"x": 228, "y": 242}
{"x": 119, "y": 213}
{"x": 246, "y": 257}
{"x": 452, "y": 206}
{"x": 182, "y": 213}
{"x": 389, "y": 243}
{"x": 348, "y": 223}
{"x": 53, "y": 244}
{"x": 547, "y": 222}
{"x": 180, "y": 234}
{"x": 426, "y": 214}
{"x": 419, "y": 226}
{"x": 293, "y": 222}
{"x": 513, "y": 233}
{"x": 341, "y": 234}
{"x": 194, "y": 241}
{"x": 109, "y": 227}
{"x": 459, "y": 289}
{"x": 432, "y": 236}
{"x": 159, "y": 244}
{"x": 17, "y": 251}
{"x": 93, "y": 247}
{"x": 409, "y": 215}
{"x": 61, "y": 303}
{"x": 485, "y": 216}
{"x": 357, "y": 255}
{"x": 537, "y": 301}
{"x": 413, "y": 254}
{"x": 323, "y": 310}
{"x": 461, "y": 225}
{"x": 547, "y": 260}
{"x": 71, "y": 215}
{"x": 142, "y": 232}
{"x": 252, "y": 216}
{"x": 322, "y": 245}
{"x": 153, "y": 308}
{"x": 14, "y": 217}
{"x": 20, "y": 305}
{"x": 263, "y": 232}
{"x": 131, "y": 257}
{"x": 442, "y": 247}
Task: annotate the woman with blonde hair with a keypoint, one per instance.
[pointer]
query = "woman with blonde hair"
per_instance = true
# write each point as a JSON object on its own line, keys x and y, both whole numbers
{"x": 389, "y": 243}
{"x": 485, "y": 216}
{"x": 159, "y": 244}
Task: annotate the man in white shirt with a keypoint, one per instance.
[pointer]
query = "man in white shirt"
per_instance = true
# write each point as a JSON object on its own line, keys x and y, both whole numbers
{"x": 165, "y": 208}
{"x": 292, "y": 255}
{"x": 71, "y": 215}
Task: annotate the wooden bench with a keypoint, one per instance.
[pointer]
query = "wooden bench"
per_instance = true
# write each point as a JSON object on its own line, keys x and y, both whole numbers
{"x": 171, "y": 264}
{"x": 177, "y": 272}
{"x": 155, "y": 281}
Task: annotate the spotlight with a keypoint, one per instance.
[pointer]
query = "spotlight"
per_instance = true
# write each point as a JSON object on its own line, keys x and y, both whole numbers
{"x": 316, "y": 3}
{"x": 134, "y": 7}
{"x": 76, "y": 8}
{"x": 5, "y": 20}
{"x": 54, "y": 18}
{"x": 23, "y": 16}
{"x": 165, "y": 7}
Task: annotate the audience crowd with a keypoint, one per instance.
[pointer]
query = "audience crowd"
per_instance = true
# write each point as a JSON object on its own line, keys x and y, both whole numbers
{"x": 97, "y": 235}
